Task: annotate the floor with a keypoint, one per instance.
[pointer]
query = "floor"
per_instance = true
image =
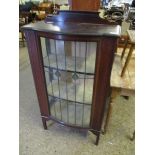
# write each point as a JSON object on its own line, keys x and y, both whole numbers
{"x": 57, "y": 140}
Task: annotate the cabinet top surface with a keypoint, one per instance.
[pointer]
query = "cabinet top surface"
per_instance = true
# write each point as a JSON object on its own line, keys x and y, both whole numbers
{"x": 71, "y": 28}
{"x": 76, "y": 23}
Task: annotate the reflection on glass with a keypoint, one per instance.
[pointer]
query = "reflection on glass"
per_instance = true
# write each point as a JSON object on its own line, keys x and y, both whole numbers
{"x": 69, "y": 71}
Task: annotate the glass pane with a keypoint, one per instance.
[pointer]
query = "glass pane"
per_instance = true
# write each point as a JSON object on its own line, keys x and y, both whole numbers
{"x": 69, "y": 70}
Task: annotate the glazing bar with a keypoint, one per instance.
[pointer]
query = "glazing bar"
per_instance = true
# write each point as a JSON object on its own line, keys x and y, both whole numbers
{"x": 88, "y": 104}
{"x": 84, "y": 83}
{"x": 66, "y": 86}
{"x": 69, "y": 71}
{"x": 48, "y": 52}
{"x": 75, "y": 83}
{"x": 58, "y": 76}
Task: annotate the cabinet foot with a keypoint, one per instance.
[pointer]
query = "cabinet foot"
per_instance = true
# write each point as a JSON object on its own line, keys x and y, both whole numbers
{"x": 133, "y": 136}
{"x": 97, "y": 139}
{"x": 44, "y": 123}
{"x": 102, "y": 132}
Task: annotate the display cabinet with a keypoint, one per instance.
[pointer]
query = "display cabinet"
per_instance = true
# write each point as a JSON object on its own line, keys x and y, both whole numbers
{"x": 71, "y": 56}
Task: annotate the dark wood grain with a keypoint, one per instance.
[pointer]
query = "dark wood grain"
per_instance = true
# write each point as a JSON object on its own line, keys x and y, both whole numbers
{"x": 76, "y": 23}
{"x": 105, "y": 56}
{"x": 78, "y": 17}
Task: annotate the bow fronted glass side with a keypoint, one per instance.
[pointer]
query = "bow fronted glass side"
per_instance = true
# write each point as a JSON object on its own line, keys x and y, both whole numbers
{"x": 69, "y": 70}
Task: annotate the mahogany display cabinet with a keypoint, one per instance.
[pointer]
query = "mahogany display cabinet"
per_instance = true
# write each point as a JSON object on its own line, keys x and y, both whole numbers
{"x": 71, "y": 57}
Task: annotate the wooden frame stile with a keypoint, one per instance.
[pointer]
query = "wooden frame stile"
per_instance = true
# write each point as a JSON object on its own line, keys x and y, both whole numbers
{"x": 35, "y": 56}
{"x": 103, "y": 71}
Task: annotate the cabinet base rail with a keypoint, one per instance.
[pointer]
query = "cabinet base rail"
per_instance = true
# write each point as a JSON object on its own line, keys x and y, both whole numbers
{"x": 95, "y": 132}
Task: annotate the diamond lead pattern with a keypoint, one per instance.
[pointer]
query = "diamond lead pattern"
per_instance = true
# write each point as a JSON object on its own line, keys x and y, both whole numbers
{"x": 75, "y": 76}
{"x": 57, "y": 73}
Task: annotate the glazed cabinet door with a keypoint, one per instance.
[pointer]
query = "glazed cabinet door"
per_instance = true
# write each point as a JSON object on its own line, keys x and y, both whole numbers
{"x": 69, "y": 68}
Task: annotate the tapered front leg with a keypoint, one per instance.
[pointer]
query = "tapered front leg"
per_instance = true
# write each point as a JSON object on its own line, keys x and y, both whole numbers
{"x": 97, "y": 138}
{"x": 44, "y": 123}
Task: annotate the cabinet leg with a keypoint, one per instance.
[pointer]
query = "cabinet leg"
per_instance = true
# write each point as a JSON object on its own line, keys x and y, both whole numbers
{"x": 108, "y": 117}
{"x": 133, "y": 136}
{"x": 97, "y": 138}
{"x": 44, "y": 123}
